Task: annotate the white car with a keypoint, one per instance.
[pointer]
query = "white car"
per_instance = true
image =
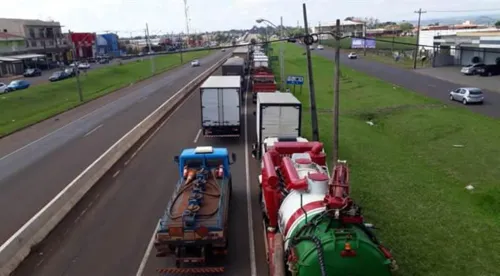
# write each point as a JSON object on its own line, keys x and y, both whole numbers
{"x": 84, "y": 66}
{"x": 467, "y": 95}
{"x": 472, "y": 69}
{"x": 3, "y": 86}
{"x": 320, "y": 47}
{"x": 311, "y": 47}
{"x": 195, "y": 63}
{"x": 352, "y": 55}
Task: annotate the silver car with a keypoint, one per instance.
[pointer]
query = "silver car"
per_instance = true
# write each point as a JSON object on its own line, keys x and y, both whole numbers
{"x": 471, "y": 69}
{"x": 467, "y": 95}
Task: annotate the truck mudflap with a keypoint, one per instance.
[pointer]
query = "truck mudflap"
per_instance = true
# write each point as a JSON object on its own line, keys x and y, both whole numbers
{"x": 190, "y": 270}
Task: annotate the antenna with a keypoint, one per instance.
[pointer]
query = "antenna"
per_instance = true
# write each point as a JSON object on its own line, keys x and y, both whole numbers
{"x": 186, "y": 14}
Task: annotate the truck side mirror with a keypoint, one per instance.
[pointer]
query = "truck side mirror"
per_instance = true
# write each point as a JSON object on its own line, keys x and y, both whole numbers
{"x": 233, "y": 157}
{"x": 176, "y": 159}
{"x": 255, "y": 113}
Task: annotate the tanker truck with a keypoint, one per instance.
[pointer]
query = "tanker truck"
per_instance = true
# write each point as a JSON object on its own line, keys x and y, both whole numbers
{"x": 312, "y": 226}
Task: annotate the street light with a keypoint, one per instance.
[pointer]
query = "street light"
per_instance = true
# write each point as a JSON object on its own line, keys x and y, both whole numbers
{"x": 282, "y": 60}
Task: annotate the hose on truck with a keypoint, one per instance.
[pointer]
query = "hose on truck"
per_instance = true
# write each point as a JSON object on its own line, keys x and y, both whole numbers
{"x": 189, "y": 185}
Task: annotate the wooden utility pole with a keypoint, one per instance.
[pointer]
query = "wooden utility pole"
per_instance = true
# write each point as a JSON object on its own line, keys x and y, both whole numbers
{"x": 77, "y": 71}
{"x": 312, "y": 95}
{"x": 415, "y": 55}
{"x": 336, "y": 93}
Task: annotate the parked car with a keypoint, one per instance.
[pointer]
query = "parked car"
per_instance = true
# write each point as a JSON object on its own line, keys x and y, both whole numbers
{"x": 84, "y": 66}
{"x": 489, "y": 70}
{"x": 3, "y": 86}
{"x": 352, "y": 55}
{"x": 195, "y": 63}
{"x": 103, "y": 60}
{"x": 311, "y": 47}
{"x": 32, "y": 72}
{"x": 467, "y": 95}
{"x": 70, "y": 71}
{"x": 320, "y": 47}
{"x": 17, "y": 85}
{"x": 292, "y": 40}
{"x": 471, "y": 69}
{"x": 59, "y": 75}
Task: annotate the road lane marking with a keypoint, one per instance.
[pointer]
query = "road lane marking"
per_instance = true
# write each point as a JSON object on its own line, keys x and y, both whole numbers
{"x": 116, "y": 173}
{"x": 251, "y": 240}
{"x": 157, "y": 129}
{"x": 93, "y": 130}
{"x": 12, "y": 239}
{"x": 197, "y": 136}
{"x": 145, "y": 258}
{"x": 89, "y": 114}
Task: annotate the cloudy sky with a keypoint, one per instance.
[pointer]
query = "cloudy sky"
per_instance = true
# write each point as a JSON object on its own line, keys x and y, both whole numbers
{"x": 164, "y": 16}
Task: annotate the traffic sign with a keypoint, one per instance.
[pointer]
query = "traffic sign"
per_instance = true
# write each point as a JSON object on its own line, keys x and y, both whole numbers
{"x": 295, "y": 80}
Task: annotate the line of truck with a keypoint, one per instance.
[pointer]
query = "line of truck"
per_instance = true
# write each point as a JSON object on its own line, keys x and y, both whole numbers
{"x": 311, "y": 224}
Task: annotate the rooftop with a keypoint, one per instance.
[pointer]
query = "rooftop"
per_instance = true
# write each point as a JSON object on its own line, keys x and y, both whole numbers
{"x": 36, "y": 22}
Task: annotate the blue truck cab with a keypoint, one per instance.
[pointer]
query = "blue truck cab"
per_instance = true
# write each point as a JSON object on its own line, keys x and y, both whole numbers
{"x": 208, "y": 157}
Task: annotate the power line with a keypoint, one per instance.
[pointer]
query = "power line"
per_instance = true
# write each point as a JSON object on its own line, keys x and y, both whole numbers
{"x": 453, "y": 11}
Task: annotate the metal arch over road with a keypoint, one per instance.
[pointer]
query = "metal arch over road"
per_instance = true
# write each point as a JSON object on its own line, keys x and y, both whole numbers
{"x": 109, "y": 231}
{"x": 426, "y": 85}
{"x": 40, "y": 161}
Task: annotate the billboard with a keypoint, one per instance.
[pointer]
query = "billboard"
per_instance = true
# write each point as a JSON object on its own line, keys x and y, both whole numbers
{"x": 357, "y": 43}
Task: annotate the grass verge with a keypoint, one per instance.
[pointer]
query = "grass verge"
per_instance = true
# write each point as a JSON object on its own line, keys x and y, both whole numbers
{"x": 23, "y": 108}
{"x": 408, "y": 173}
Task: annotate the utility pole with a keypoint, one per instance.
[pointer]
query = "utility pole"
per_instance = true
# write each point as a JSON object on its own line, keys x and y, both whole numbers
{"x": 77, "y": 72}
{"x": 336, "y": 97}
{"x": 186, "y": 15}
{"x": 319, "y": 31}
{"x": 148, "y": 39}
{"x": 418, "y": 37}
{"x": 282, "y": 57}
{"x": 312, "y": 95}
{"x": 364, "y": 41}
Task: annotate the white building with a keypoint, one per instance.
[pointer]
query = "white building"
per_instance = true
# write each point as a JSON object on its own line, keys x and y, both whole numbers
{"x": 348, "y": 28}
{"x": 427, "y": 37}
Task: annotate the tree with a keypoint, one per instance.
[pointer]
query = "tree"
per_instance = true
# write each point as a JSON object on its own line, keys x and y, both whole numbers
{"x": 406, "y": 26}
{"x": 497, "y": 24}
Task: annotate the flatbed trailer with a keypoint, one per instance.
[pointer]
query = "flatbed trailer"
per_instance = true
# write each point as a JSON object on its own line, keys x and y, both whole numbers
{"x": 193, "y": 229}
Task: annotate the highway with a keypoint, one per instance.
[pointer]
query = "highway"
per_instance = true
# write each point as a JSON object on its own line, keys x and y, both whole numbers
{"x": 426, "y": 85}
{"x": 110, "y": 231}
{"x": 36, "y": 163}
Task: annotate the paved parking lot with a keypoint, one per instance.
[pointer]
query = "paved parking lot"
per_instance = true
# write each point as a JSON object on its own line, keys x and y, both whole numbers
{"x": 452, "y": 74}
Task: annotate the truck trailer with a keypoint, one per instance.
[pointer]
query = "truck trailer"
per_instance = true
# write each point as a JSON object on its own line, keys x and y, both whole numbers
{"x": 234, "y": 66}
{"x": 194, "y": 228}
{"x": 277, "y": 115}
{"x": 220, "y": 106}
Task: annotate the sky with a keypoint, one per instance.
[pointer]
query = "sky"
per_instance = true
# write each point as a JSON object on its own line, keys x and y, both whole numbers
{"x": 129, "y": 17}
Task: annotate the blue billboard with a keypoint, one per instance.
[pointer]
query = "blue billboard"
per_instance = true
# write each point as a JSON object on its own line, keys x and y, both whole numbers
{"x": 357, "y": 43}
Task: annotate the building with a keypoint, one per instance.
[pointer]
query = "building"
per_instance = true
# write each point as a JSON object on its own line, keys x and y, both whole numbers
{"x": 107, "y": 44}
{"x": 468, "y": 47}
{"x": 40, "y": 37}
{"x": 11, "y": 43}
{"x": 84, "y": 45}
{"x": 348, "y": 28}
{"x": 428, "y": 33}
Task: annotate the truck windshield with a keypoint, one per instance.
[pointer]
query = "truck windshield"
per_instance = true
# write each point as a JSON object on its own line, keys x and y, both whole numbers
{"x": 263, "y": 80}
{"x": 194, "y": 163}
{"x": 213, "y": 163}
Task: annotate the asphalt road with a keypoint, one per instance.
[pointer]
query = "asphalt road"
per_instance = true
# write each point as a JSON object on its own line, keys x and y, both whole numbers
{"x": 38, "y": 162}
{"x": 108, "y": 233}
{"x": 429, "y": 86}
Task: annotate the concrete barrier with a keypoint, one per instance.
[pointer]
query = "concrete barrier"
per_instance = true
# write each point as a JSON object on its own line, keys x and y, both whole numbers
{"x": 19, "y": 245}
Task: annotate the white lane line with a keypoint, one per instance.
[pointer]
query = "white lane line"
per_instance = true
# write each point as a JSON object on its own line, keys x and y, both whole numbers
{"x": 197, "y": 136}
{"x": 145, "y": 258}
{"x": 251, "y": 239}
{"x": 116, "y": 173}
{"x": 93, "y": 130}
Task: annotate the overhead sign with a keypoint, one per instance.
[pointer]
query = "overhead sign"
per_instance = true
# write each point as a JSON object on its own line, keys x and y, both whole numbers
{"x": 295, "y": 80}
{"x": 357, "y": 43}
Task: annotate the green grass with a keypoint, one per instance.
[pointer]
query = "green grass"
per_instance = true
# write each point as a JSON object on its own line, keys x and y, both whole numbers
{"x": 407, "y": 174}
{"x": 384, "y": 43}
{"x": 26, "y": 107}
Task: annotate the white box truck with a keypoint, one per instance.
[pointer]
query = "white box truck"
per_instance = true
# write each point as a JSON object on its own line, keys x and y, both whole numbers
{"x": 220, "y": 106}
{"x": 278, "y": 115}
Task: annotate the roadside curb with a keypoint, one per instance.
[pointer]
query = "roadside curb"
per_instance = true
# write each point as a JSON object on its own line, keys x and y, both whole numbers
{"x": 19, "y": 245}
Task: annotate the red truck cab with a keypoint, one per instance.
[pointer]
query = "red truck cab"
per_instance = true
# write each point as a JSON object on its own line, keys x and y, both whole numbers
{"x": 262, "y": 81}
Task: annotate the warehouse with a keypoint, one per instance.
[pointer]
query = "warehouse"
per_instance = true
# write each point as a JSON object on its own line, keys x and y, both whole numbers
{"x": 471, "y": 47}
